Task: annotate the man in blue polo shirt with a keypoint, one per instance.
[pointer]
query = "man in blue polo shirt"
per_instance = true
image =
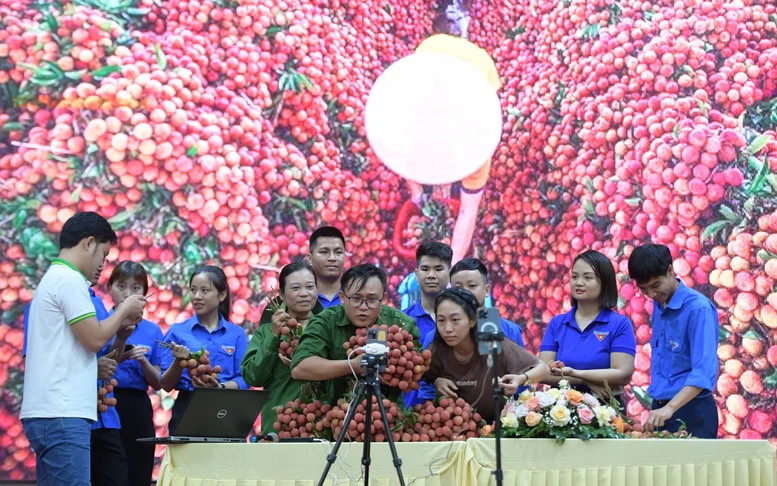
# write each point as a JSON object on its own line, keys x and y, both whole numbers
{"x": 433, "y": 260}
{"x": 327, "y": 257}
{"x": 684, "y": 346}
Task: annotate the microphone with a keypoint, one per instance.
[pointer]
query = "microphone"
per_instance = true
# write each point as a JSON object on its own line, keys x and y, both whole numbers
{"x": 272, "y": 437}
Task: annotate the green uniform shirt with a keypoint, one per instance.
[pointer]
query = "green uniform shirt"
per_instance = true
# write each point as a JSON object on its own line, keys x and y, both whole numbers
{"x": 261, "y": 367}
{"x": 329, "y": 330}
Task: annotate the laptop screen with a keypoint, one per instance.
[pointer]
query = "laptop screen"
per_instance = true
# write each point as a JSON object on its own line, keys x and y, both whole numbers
{"x": 220, "y": 413}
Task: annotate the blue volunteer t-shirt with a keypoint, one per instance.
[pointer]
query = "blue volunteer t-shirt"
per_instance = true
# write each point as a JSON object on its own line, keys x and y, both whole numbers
{"x": 129, "y": 373}
{"x": 684, "y": 345}
{"x": 329, "y": 303}
{"x": 590, "y": 349}
{"x": 227, "y": 344}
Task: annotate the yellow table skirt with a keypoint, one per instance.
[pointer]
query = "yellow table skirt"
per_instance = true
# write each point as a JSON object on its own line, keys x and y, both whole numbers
{"x": 613, "y": 462}
{"x": 526, "y": 462}
{"x": 301, "y": 464}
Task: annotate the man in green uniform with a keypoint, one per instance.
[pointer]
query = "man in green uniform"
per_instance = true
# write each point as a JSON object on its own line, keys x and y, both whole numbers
{"x": 321, "y": 356}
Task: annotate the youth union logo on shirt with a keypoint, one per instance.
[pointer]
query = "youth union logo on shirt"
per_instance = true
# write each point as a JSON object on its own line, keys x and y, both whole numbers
{"x": 146, "y": 348}
{"x": 674, "y": 345}
{"x": 230, "y": 350}
{"x": 600, "y": 335}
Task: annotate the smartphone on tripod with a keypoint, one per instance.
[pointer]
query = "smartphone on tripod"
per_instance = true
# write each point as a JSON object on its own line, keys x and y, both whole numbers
{"x": 489, "y": 324}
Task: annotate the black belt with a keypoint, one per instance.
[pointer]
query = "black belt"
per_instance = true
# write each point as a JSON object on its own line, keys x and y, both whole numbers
{"x": 664, "y": 403}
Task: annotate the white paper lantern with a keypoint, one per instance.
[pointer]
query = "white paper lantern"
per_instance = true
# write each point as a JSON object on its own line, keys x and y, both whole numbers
{"x": 433, "y": 118}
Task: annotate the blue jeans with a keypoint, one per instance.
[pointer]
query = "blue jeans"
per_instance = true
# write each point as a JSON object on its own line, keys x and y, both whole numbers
{"x": 61, "y": 448}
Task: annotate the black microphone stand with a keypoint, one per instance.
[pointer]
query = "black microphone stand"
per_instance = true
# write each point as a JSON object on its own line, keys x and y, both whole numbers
{"x": 493, "y": 338}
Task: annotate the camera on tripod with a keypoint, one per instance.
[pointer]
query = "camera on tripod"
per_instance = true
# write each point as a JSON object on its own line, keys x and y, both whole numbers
{"x": 376, "y": 350}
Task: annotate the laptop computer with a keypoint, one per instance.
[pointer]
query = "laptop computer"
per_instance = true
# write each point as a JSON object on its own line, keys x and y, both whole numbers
{"x": 216, "y": 415}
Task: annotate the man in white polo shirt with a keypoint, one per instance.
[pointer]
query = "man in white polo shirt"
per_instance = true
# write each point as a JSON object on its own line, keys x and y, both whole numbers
{"x": 60, "y": 400}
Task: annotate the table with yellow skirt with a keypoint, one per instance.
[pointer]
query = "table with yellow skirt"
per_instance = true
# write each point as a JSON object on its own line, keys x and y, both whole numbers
{"x": 526, "y": 462}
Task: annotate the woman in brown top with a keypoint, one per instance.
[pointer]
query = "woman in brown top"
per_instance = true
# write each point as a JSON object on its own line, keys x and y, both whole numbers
{"x": 457, "y": 370}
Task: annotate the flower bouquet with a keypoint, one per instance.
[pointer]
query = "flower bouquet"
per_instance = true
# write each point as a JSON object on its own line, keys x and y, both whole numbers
{"x": 561, "y": 413}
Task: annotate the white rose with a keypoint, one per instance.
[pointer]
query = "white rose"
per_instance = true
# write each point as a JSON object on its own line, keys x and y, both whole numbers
{"x": 510, "y": 420}
{"x": 546, "y": 399}
{"x": 560, "y": 415}
{"x": 555, "y": 393}
{"x": 521, "y": 411}
{"x": 563, "y": 384}
{"x": 590, "y": 400}
{"x": 525, "y": 396}
{"x": 602, "y": 415}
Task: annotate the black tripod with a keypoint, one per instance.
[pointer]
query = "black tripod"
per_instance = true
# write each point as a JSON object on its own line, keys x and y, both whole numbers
{"x": 492, "y": 339}
{"x": 369, "y": 387}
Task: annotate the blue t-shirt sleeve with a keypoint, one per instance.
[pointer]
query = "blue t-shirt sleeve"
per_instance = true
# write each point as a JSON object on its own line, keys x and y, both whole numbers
{"x": 240, "y": 351}
{"x": 549, "y": 342}
{"x": 156, "y": 350}
{"x": 703, "y": 328}
{"x": 166, "y": 359}
{"x": 428, "y": 339}
{"x": 515, "y": 334}
{"x": 99, "y": 308}
{"x": 624, "y": 341}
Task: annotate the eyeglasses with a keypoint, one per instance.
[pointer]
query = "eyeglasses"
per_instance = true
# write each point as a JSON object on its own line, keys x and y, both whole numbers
{"x": 357, "y": 301}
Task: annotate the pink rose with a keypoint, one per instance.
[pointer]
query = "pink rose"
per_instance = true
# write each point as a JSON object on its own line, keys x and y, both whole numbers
{"x": 586, "y": 415}
{"x": 533, "y": 404}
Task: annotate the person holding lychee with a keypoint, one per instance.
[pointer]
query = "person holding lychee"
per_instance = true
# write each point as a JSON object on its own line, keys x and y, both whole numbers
{"x": 63, "y": 322}
{"x": 591, "y": 346}
{"x": 684, "y": 346}
{"x": 265, "y": 364}
{"x": 210, "y": 329}
{"x": 108, "y": 464}
{"x": 138, "y": 369}
{"x": 321, "y": 355}
{"x": 458, "y": 371}
{"x": 327, "y": 258}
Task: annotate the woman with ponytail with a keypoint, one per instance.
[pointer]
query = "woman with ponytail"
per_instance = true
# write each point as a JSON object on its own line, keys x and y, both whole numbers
{"x": 457, "y": 370}
{"x": 210, "y": 329}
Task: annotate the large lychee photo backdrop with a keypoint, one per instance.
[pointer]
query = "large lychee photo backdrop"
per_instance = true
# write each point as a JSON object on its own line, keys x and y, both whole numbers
{"x": 226, "y": 131}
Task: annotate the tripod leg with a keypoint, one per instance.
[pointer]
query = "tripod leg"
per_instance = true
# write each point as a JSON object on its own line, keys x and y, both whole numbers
{"x": 366, "y": 458}
{"x": 389, "y": 438}
{"x": 498, "y": 394}
{"x": 332, "y": 456}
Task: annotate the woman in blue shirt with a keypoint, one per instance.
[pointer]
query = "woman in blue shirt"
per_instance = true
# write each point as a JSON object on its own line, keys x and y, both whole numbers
{"x": 591, "y": 346}
{"x": 137, "y": 370}
{"x": 209, "y": 328}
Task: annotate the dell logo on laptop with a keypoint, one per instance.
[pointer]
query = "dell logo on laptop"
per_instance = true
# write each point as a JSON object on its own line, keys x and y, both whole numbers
{"x": 221, "y": 414}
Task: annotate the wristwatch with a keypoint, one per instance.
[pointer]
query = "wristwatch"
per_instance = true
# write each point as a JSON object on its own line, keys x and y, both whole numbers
{"x": 222, "y": 385}
{"x": 528, "y": 380}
